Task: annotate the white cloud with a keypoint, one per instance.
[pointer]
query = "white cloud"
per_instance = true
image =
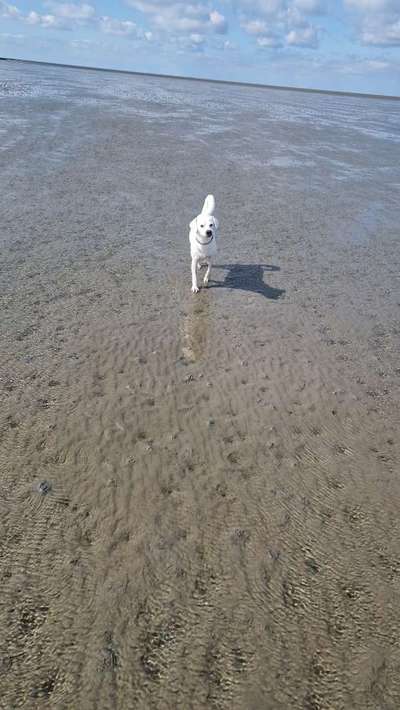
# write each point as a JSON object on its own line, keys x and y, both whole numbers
{"x": 381, "y": 34}
{"x": 265, "y": 8}
{"x": 254, "y": 27}
{"x": 79, "y": 44}
{"x": 9, "y": 11}
{"x": 174, "y": 22}
{"x": 310, "y": 7}
{"x": 268, "y": 8}
{"x": 374, "y": 5}
{"x": 172, "y": 16}
{"x": 269, "y": 42}
{"x": 35, "y": 18}
{"x": 170, "y": 8}
{"x": 69, "y": 16}
{"x": 218, "y": 22}
{"x": 197, "y": 39}
{"x": 376, "y": 65}
{"x": 363, "y": 66}
{"x": 70, "y": 11}
{"x": 12, "y": 37}
{"x": 283, "y": 22}
{"x": 303, "y": 37}
{"x": 295, "y": 18}
{"x": 150, "y": 7}
{"x": 194, "y": 42}
{"x": 121, "y": 28}
{"x": 377, "y": 21}
{"x": 65, "y": 16}
{"x": 275, "y": 21}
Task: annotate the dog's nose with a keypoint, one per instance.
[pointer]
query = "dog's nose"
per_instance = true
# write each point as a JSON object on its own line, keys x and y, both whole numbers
{"x": 209, "y": 233}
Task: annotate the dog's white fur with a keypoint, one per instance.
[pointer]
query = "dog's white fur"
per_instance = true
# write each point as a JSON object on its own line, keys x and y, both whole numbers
{"x": 203, "y": 240}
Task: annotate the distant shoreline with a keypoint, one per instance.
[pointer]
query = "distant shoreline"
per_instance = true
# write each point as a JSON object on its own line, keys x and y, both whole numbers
{"x": 212, "y": 81}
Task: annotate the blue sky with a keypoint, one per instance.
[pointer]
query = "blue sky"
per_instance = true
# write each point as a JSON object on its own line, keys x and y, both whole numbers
{"x": 350, "y": 45}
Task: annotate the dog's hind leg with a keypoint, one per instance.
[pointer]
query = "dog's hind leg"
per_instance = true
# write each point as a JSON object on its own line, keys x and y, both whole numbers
{"x": 207, "y": 274}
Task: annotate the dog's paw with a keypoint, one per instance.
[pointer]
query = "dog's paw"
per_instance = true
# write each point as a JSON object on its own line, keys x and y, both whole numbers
{"x": 195, "y": 289}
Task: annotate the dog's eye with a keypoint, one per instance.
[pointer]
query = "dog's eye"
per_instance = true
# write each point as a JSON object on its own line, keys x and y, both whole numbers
{"x": 202, "y": 225}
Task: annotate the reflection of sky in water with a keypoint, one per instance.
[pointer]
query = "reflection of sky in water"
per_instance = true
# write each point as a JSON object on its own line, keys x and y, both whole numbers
{"x": 367, "y": 222}
{"x": 286, "y": 162}
{"x": 201, "y": 111}
{"x": 10, "y": 130}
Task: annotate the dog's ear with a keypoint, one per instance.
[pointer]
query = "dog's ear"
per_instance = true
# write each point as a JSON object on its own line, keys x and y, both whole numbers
{"x": 193, "y": 224}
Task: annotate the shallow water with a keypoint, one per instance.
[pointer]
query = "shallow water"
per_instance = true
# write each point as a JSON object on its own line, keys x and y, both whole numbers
{"x": 199, "y": 494}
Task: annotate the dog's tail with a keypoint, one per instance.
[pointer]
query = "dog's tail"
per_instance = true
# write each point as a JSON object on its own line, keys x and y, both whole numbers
{"x": 209, "y": 205}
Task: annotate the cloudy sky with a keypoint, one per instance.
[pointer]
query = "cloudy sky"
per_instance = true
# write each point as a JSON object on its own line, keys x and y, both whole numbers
{"x": 351, "y": 45}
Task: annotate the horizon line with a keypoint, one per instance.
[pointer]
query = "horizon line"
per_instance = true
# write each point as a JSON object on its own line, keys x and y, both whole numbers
{"x": 248, "y": 84}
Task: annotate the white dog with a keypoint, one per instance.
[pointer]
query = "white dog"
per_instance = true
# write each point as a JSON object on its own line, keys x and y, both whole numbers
{"x": 203, "y": 240}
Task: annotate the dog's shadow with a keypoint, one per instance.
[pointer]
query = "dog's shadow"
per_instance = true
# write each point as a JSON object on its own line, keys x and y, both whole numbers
{"x": 248, "y": 277}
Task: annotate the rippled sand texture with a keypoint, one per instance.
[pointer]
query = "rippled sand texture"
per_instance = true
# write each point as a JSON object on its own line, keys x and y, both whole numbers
{"x": 199, "y": 495}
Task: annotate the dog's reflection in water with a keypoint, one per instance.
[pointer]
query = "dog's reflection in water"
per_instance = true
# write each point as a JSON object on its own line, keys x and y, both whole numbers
{"x": 194, "y": 331}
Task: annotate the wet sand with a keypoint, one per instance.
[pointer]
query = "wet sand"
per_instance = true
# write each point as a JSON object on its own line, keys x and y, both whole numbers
{"x": 199, "y": 494}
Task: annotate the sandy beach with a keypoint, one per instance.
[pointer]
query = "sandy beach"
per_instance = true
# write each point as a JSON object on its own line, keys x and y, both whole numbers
{"x": 199, "y": 494}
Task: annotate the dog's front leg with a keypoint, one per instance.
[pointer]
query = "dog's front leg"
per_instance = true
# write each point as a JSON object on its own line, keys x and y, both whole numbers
{"x": 195, "y": 287}
{"x": 207, "y": 274}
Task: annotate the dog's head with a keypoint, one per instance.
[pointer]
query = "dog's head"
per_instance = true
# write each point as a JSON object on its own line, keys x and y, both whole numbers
{"x": 205, "y": 226}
